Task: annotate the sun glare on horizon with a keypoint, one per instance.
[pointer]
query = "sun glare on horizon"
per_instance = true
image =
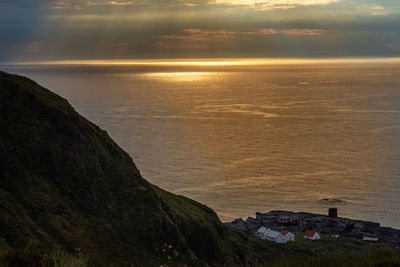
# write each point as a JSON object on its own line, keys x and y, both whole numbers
{"x": 214, "y": 62}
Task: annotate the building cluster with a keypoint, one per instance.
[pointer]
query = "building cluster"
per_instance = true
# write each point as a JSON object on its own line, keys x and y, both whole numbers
{"x": 283, "y": 236}
{"x": 274, "y": 236}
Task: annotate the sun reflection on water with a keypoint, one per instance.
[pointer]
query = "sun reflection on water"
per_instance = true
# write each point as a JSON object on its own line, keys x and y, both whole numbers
{"x": 181, "y": 76}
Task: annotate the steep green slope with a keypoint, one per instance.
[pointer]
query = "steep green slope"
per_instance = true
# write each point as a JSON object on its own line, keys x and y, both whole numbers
{"x": 65, "y": 184}
{"x": 65, "y": 187}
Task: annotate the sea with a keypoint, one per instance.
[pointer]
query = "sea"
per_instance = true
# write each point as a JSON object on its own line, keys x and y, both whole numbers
{"x": 250, "y": 138}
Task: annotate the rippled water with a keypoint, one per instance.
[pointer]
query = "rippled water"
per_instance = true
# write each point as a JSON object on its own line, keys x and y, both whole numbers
{"x": 243, "y": 139}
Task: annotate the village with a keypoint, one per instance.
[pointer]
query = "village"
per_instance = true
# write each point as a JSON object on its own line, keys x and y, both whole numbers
{"x": 282, "y": 227}
{"x": 285, "y": 236}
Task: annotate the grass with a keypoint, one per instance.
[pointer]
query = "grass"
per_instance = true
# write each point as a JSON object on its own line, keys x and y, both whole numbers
{"x": 380, "y": 257}
{"x": 34, "y": 255}
{"x": 343, "y": 251}
{"x": 63, "y": 259}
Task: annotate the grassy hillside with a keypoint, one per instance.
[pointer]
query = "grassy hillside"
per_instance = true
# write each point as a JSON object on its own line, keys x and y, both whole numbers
{"x": 64, "y": 184}
{"x": 69, "y": 194}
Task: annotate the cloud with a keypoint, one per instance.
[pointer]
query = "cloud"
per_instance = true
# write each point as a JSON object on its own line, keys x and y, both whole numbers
{"x": 377, "y": 8}
{"x": 60, "y": 5}
{"x": 76, "y": 4}
{"x": 272, "y": 4}
{"x": 255, "y": 4}
{"x": 112, "y": 3}
{"x": 197, "y": 34}
{"x": 380, "y": 13}
{"x": 65, "y": 29}
{"x": 34, "y": 46}
{"x": 303, "y": 32}
{"x": 86, "y": 4}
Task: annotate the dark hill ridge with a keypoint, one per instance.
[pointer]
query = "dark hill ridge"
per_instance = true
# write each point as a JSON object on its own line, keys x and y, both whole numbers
{"x": 64, "y": 183}
{"x": 66, "y": 189}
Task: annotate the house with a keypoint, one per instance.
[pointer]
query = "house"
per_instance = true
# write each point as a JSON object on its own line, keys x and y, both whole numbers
{"x": 312, "y": 234}
{"x": 289, "y": 235}
{"x": 371, "y": 239}
{"x": 261, "y": 231}
{"x": 275, "y": 236}
{"x": 270, "y": 235}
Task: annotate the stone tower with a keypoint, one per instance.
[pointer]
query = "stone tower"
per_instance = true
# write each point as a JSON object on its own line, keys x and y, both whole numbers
{"x": 333, "y": 213}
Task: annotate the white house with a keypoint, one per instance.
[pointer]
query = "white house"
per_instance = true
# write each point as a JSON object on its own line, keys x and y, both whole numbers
{"x": 261, "y": 231}
{"x": 275, "y": 236}
{"x": 289, "y": 235}
{"x": 312, "y": 234}
{"x": 270, "y": 235}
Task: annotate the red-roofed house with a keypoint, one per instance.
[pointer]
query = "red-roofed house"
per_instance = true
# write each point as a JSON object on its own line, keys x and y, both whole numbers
{"x": 312, "y": 234}
{"x": 289, "y": 236}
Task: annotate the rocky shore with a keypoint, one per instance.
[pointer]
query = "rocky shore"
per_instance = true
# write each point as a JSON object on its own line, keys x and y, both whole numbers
{"x": 301, "y": 221}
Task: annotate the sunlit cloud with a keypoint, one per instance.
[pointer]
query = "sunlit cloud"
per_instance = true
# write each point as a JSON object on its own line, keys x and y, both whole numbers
{"x": 205, "y": 35}
{"x": 80, "y": 4}
{"x": 256, "y": 4}
{"x": 272, "y": 4}
{"x": 380, "y": 13}
{"x": 65, "y": 5}
{"x": 303, "y": 32}
{"x": 112, "y": 3}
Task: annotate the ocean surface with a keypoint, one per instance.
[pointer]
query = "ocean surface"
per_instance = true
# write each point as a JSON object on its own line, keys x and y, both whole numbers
{"x": 242, "y": 139}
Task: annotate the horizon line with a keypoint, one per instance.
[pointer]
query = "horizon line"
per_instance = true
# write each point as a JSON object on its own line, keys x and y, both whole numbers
{"x": 210, "y": 61}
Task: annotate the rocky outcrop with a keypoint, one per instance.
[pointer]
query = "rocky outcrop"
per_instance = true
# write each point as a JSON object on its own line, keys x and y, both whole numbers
{"x": 301, "y": 221}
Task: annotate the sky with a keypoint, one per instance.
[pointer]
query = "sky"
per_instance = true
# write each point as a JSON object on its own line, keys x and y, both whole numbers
{"x": 44, "y": 30}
